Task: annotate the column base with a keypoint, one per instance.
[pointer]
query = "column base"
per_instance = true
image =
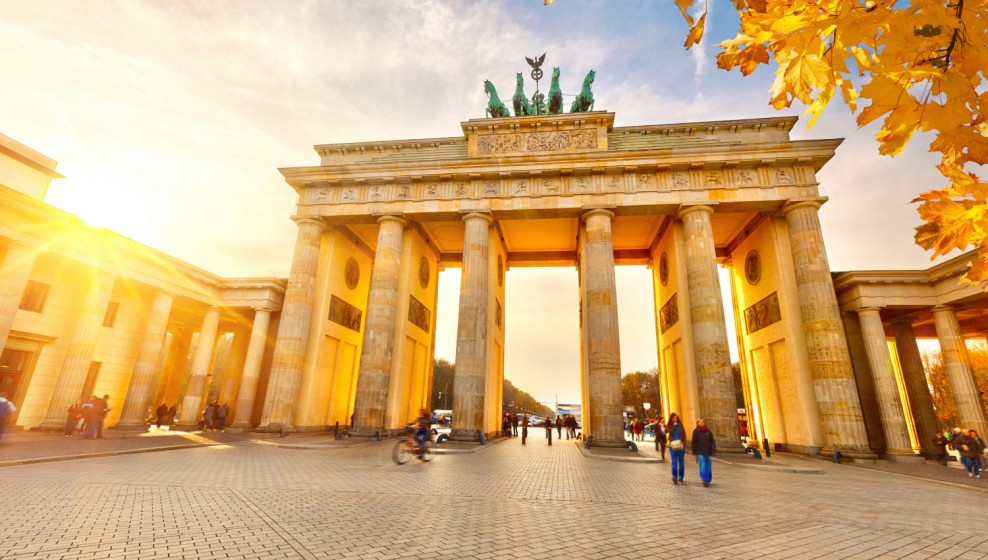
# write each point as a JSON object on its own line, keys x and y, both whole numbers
{"x": 608, "y": 443}
{"x": 903, "y": 456}
{"x": 130, "y": 426}
{"x": 240, "y": 427}
{"x": 369, "y": 432}
{"x": 864, "y": 454}
{"x": 471, "y": 436}
{"x": 51, "y": 426}
{"x": 185, "y": 427}
{"x": 275, "y": 428}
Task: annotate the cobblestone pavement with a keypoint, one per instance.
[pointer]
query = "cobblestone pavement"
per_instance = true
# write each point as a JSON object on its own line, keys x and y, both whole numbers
{"x": 257, "y": 499}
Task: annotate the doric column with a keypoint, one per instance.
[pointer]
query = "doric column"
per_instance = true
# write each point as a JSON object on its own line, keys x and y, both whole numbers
{"x": 252, "y": 368}
{"x": 174, "y": 372}
{"x": 192, "y": 400}
{"x": 293, "y": 330}
{"x": 718, "y": 403}
{"x": 886, "y": 389}
{"x": 826, "y": 347}
{"x": 379, "y": 327}
{"x": 914, "y": 376}
{"x": 470, "y": 375}
{"x": 144, "y": 380}
{"x": 955, "y": 358}
{"x": 15, "y": 271}
{"x": 78, "y": 356}
{"x": 603, "y": 376}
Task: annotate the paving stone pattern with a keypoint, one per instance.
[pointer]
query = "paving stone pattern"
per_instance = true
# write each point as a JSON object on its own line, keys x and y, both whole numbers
{"x": 257, "y": 499}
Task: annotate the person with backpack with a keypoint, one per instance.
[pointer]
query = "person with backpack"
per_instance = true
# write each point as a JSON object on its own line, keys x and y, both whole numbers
{"x": 7, "y": 409}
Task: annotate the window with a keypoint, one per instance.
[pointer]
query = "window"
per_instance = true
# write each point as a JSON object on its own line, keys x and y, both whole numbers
{"x": 111, "y": 314}
{"x": 34, "y": 296}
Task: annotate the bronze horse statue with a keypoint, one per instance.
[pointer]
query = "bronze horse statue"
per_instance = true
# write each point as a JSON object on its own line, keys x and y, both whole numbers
{"x": 555, "y": 94}
{"x": 584, "y": 101}
{"x": 495, "y": 108}
{"x": 523, "y": 107}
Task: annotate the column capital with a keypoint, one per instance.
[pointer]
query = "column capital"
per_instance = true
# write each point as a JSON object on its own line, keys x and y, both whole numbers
{"x": 684, "y": 210}
{"x": 795, "y": 204}
{"x": 309, "y": 220}
{"x": 393, "y": 218}
{"x": 941, "y": 308}
{"x": 267, "y": 308}
{"x": 478, "y": 215}
{"x": 904, "y": 320}
{"x": 870, "y": 309}
{"x": 597, "y": 212}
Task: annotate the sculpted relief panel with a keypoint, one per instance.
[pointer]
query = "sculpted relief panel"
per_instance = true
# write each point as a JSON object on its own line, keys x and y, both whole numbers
{"x": 537, "y": 141}
{"x": 571, "y": 182}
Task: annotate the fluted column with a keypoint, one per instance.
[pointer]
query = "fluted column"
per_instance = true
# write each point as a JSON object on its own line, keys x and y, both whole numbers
{"x": 470, "y": 375}
{"x": 379, "y": 327}
{"x": 826, "y": 347}
{"x": 144, "y": 380}
{"x": 252, "y": 368}
{"x": 886, "y": 389}
{"x": 293, "y": 330}
{"x": 603, "y": 353}
{"x": 718, "y": 403}
{"x": 78, "y": 356}
{"x": 920, "y": 399}
{"x": 955, "y": 358}
{"x": 192, "y": 400}
{"x": 15, "y": 271}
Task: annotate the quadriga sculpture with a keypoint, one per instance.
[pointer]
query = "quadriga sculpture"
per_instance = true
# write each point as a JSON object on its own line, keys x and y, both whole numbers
{"x": 522, "y": 106}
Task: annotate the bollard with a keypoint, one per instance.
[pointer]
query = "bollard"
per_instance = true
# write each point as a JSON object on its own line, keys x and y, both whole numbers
{"x": 837, "y": 456}
{"x": 633, "y": 446}
{"x": 281, "y": 433}
{"x": 589, "y": 441}
{"x": 755, "y": 453}
{"x": 377, "y": 435}
{"x": 442, "y": 438}
{"x": 336, "y": 431}
{"x": 768, "y": 450}
{"x": 480, "y": 436}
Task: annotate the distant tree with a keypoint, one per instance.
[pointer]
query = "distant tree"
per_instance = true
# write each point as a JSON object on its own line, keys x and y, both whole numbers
{"x": 514, "y": 401}
{"x": 738, "y": 384}
{"x": 941, "y": 388}
{"x": 442, "y": 384}
{"x": 642, "y": 387}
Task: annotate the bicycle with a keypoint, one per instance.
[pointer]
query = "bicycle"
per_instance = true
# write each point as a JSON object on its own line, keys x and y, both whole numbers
{"x": 406, "y": 447}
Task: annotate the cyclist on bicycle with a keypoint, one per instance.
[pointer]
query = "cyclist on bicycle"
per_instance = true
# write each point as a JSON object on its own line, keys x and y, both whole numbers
{"x": 423, "y": 426}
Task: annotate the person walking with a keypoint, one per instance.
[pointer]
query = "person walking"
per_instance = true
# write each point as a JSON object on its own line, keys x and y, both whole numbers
{"x": 514, "y": 425}
{"x": 559, "y": 426}
{"x": 660, "y": 438}
{"x": 207, "y": 417}
{"x": 103, "y": 408}
{"x": 570, "y": 424}
{"x": 224, "y": 410}
{"x": 7, "y": 409}
{"x": 971, "y": 450}
{"x": 677, "y": 447}
{"x": 160, "y": 414}
{"x": 940, "y": 442}
{"x": 703, "y": 447}
{"x": 72, "y": 417}
{"x": 638, "y": 430}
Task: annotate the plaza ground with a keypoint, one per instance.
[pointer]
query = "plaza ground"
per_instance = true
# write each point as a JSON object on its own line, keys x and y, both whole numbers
{"x": 228, "y": 496}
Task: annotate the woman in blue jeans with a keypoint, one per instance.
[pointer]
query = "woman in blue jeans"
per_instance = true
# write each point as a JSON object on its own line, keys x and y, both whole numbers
{"x": 703, "y": 447}
{"x": 676, "y": 434}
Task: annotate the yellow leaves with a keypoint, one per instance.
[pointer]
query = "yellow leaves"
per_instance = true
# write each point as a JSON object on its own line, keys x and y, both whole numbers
{"x": 683, "y": 6}
{"x": 696, "y": 32}
{"x": 747, "y": 58}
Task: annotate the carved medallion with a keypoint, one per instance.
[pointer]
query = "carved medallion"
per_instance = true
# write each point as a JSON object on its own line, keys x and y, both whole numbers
{"x": 424, "y": 272}
{"x": 351, "y": 273}
{"x": 663, "y": 269}
{"x": 753, "y": 267}
{"x": 500, "y": 272}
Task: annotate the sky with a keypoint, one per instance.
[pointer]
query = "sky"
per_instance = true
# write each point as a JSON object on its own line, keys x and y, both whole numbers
{"x": 170, "y": 120}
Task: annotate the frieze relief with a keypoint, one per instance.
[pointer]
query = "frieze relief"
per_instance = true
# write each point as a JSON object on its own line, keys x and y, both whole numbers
{"x": 418, "y": 314}
{"x": 576, "y": 184}
{"x": 342, "y": 313}
{"x": 669, "y": 314}
{"x": 763, "y": 313}
{"x": 537, "y": 141}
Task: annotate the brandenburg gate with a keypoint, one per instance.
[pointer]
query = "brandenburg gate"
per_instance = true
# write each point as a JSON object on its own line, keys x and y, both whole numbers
{"x": 378, "y": 220}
